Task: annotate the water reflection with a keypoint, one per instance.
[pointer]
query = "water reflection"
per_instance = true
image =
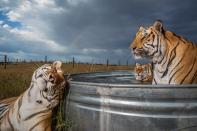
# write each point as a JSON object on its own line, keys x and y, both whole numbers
{"x": 112, "y": 77}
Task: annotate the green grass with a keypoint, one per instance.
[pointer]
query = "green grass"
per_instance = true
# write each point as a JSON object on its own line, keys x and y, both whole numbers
{"x": 62, "y": 122}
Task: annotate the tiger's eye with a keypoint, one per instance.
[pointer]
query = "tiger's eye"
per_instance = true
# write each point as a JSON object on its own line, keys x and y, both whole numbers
{"x": 50, "y": 76}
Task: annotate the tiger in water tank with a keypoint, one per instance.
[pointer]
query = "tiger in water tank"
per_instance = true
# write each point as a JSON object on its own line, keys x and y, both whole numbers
{"x": 143, "y": 72}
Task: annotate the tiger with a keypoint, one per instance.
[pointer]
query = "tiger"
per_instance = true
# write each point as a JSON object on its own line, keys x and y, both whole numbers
{"x": 174, "y": 57}
{"x": 143, "y": 72}
{"x": 4, "y": 105}
{"x": 32, "y": 110}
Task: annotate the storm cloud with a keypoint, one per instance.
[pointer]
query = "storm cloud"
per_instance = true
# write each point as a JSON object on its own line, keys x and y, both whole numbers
{"x": 87, "y": 29}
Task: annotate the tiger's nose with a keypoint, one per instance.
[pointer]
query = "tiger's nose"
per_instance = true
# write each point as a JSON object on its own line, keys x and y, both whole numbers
{"x": 134, "y": 48}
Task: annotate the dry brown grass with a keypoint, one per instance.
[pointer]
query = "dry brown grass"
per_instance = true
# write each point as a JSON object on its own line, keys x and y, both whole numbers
{"x": 16, "y": 78}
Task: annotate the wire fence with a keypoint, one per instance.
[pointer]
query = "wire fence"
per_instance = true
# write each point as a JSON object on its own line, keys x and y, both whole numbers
{"x": 5, "y": 61}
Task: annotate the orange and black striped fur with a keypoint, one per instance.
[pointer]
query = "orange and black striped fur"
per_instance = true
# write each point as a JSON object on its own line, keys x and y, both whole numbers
{"x": 174, "y": 58}
{"x": 143, "y": 72}
{"x": 32, "y": 110}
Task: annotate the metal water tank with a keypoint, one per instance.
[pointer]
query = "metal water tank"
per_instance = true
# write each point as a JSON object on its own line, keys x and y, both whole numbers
{"x": 114, "y": 101}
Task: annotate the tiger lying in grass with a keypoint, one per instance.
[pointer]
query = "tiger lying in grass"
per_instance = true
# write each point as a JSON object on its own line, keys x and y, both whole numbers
{"x": 32, "y": 110}
{"x": 143, "y": 72}
{"x": 174, "y": 58}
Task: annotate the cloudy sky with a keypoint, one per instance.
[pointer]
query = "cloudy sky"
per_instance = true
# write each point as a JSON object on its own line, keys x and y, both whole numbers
{"x": 89, "y": 30}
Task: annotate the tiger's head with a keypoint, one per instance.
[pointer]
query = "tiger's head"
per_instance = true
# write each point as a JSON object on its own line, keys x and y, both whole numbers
{"x": 143, "y": 72}
{"x": 47, "y": 86}
{"x": 149, "y": 42}
{"x": 138, "y": 72}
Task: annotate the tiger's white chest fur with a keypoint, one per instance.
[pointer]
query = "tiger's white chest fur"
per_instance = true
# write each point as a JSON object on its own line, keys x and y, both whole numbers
{"x": 163, "y": 74}
{"x": 25, "y": 115}
{"x": 159, "y": 79}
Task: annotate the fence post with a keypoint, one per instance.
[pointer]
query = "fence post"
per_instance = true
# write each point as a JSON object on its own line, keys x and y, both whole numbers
{"x": 92, "y": 66}
{"x": 127, "y": 63}
{"x": 5, "y": 61}
{"x": 73, "y": 62}
{"x": 45, "y": 59}
{"x": 107, "y": 64}
{"x": 119, "y": 62}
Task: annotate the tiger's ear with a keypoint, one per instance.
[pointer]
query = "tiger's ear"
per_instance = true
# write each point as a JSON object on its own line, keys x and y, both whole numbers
{"x": 158, "y": 25}
{"x": 57, "y": 65}
{"x": 141, "y": 28}
{"x": 137, "y": 64}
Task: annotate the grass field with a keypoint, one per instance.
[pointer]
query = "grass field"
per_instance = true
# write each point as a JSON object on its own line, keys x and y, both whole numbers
{"x": 16, "y": 77}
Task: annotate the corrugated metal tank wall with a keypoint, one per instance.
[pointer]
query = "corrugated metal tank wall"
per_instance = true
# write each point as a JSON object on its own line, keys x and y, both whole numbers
{"x": 132, "y": 107}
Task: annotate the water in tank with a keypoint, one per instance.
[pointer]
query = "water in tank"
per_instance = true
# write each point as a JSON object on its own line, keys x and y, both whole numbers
{"x": 115, "y": 77}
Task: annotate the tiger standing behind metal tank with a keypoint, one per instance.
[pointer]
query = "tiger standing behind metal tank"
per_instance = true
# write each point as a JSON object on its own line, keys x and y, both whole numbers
{"x": 32, "y": 110}
{"x": 174, "y": 58}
